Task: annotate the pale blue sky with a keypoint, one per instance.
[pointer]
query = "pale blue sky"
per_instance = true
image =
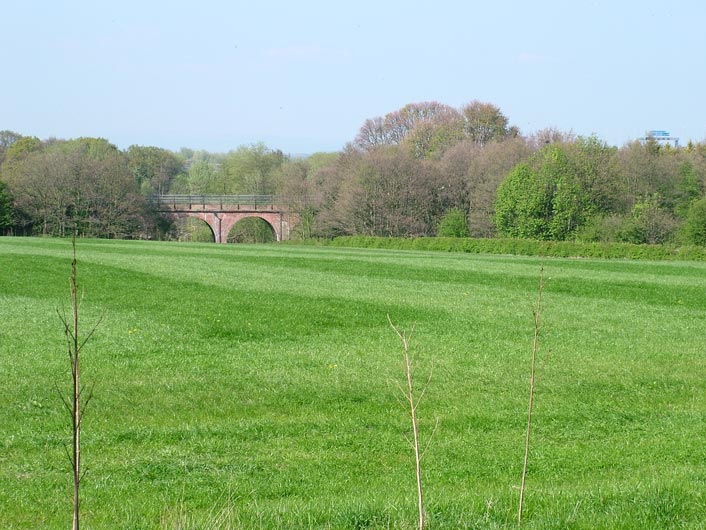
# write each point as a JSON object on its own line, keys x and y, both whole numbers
{"x": 303, "y": 76}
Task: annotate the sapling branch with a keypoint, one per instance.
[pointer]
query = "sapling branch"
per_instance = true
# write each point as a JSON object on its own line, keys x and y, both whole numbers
{"x": 413, "y": 401}
{"x": 536, "y": 314}
{"x": 431, "y": 437}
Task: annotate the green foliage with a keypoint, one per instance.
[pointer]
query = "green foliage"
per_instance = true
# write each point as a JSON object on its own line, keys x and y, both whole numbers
{"x": 6, "y": 209}
{"x": 602, "y": 228}
{"x": 649, "y": 223}
{"x": 193, "y": 230}
{"x": 453, "y": 224}
{"x": 524, "y": 247}
{"x": 430, "y": 140}
{"x": 523, "y": 205}
{"x": 254, "y": 382}
{"x": 597, "y": 171}
{"x": 97, "y": 148}
{"x": 15, "y": 154}
{"x": 7, "y": 138}
{"x": 201, "y": 178}
{"x": 424, "y": 127}
{"x": 398, "y": 177}
{"x": 570, "y": 203}
{"x": 317, "y": 161}
{"x": 153, "y": 168}
{"x": 82, "y": 183}
{"x": 694, "y": 229}
{"x": 252, "y": 230}
{"x": 484, "y": 122}
{"x": 556, "y": 192}
{"x": 689, "y": 188}
{"x": 304, "y": 229}
{"x": 251, "y": 170}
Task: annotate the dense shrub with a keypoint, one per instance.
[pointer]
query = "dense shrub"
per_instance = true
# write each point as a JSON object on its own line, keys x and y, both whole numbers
{"x": 694, "y": 229}
{"x": 649, "y": 223}
{"x": 453, "y": 224}
{"x": 606, "y": 228}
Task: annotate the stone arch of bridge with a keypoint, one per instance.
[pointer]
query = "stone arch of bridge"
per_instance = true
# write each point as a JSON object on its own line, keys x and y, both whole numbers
{"x": 235, "y": 233}
{"x": 222, "y": 222}
{"x": 201, "y": 223}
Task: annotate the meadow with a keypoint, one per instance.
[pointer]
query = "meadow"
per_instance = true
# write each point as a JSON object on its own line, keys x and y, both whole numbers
{"x": 255, "y": 387}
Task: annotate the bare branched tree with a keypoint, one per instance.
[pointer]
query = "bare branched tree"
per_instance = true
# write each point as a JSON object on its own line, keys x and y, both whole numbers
{"x": 413, "y": 399}
{"x": 77, "y": 403}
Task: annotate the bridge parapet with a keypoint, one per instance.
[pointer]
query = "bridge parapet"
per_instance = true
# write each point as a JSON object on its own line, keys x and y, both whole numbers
{"x": 211, "y": 202}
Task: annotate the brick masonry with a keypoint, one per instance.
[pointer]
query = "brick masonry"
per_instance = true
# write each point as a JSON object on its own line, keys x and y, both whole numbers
{"x": 222, "y": 222}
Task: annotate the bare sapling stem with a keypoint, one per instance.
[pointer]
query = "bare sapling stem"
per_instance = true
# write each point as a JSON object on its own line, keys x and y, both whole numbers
{"x": 76, "y": 405}
{"x": 413, "y": 400}
{"x": 536, "y": 313}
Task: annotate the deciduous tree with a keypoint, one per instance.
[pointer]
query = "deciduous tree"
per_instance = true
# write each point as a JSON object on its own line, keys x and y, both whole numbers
{"x": 251, "y": 170}
{"x": 537, "y": 200}
{"x": 557, "y": 191}
{"x": 394, "y": 127}
{"x": 202, "y": 177}
{"x": 694, "y": 229}
{"x": 486, "y": 169}
{"x": 7, "y": 138}
{"x": 7, "y": 218}
{"x": 483, "y": 122}
{"x": 385, "y": 193}
{"x": 153, "y": 168}
{"x": 83, "y": 183}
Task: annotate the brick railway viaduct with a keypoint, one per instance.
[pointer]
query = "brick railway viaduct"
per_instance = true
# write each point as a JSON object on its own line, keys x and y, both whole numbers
{"x": 222, "y": 212}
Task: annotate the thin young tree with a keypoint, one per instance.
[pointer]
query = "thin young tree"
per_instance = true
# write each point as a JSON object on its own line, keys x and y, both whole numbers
{"x": 77, "y": 402}
{"x": 536, "y": 314}
{"x": 413, "y": 400}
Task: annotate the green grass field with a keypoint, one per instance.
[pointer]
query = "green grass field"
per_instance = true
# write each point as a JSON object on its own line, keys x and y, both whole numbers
{"x": 255, "y": 387}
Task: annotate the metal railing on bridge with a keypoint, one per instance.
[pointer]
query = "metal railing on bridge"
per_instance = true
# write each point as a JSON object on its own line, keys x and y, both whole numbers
{"x": 176, "y": 202}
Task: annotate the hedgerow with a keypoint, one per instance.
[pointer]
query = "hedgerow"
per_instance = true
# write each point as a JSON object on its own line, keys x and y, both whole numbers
{"x": 524, "y": 247}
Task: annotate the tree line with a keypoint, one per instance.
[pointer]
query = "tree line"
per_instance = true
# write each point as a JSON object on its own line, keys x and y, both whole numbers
{"x": 423, "y": 170}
